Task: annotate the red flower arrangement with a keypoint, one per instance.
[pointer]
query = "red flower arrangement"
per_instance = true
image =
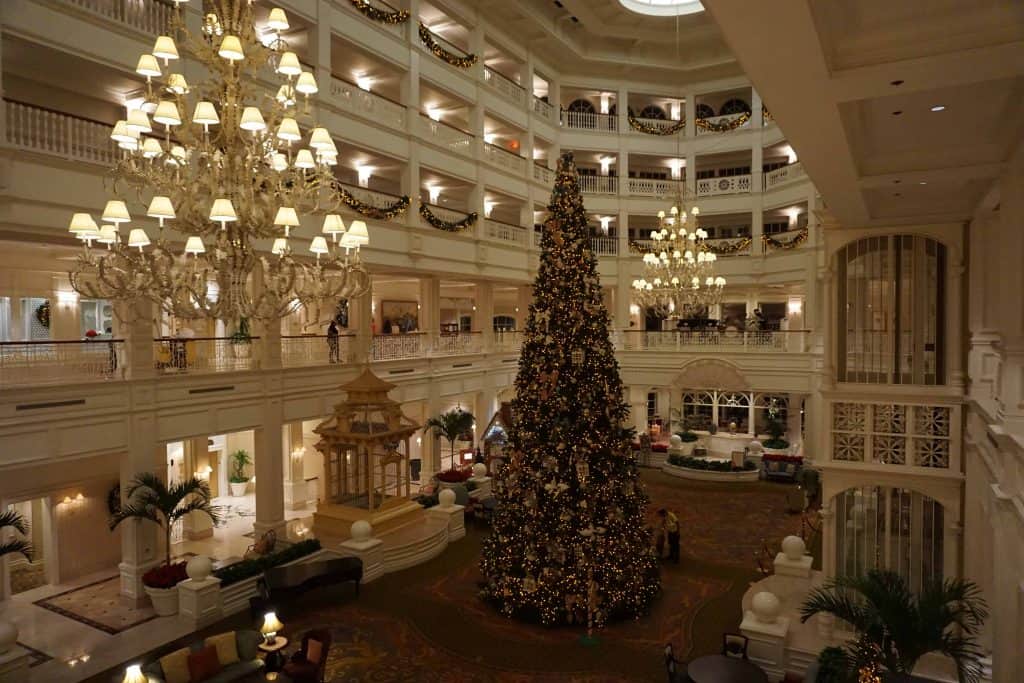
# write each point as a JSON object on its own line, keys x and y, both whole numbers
{"x": 165, "y": 576}
{"x": 91, "y": 333}
{"x": 454, "y": 476}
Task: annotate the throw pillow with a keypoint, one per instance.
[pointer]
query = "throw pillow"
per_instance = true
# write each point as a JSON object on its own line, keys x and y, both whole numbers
{"x": 203, "y": 664}
{"x": 314, "y": 650}
{"x": 227, "y": 647}
{"x": 175, "y": 666}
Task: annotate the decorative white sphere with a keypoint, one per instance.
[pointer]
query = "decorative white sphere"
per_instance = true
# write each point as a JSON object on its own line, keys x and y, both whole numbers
{"x": 766, "y": 607}
{"x": 675, "y": 441}
{"x": 479, "y": 470}
{"x": 755, "y": 446}
{"x": 793, "y": 547}
{"x": 446, "y": 498}
{"x": 199, "y": 568}
{"x": 361, "y": 530}
{"x": 8, "y": 635}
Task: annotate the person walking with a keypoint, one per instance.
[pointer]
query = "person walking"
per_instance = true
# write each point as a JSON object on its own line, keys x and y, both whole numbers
{"x": 332, "y": 343}
{"x": 670, "y": 533}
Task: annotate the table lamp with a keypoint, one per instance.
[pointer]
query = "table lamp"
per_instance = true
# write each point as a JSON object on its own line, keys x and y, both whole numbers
{"x": 271, "y": 626}
{"x": 133, "y": 674}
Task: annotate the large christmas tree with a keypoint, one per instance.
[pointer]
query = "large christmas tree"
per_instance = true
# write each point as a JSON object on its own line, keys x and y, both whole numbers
{"x": 569, "y": 543}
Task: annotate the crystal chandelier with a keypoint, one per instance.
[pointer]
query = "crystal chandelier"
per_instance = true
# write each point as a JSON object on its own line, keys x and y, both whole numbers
{"x": 678, "y": 279}
{"x": 233, "y": 174}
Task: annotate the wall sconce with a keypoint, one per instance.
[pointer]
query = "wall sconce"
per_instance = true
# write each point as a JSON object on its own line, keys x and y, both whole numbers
{"x": 419, "y": 440}
{"x": 634, "y": 309}
{"x": 676, "y": 111}
{"x": 488, "y": 208}
{"x": 489, "y": 138}
{"x": 73, "y": 500}
{"x": 795, "y": 306}
{"x": 67, "y": 298}
{"x": 605, "y": 102}
{"x": 605, "y": 222}
{"x": 606, "y": 164}
{"x": 364, "y": 82}
{"x": 297, "y": 453}
{"x": 793, "y": 214}
{"x": 434, "y": 192}
{"x": 677, "y": 167}
{"x": 790, "y": 153}
{"x": 364, "y": 175}
{"x": 203, "y": 473}
{"x": 433, "y": 113}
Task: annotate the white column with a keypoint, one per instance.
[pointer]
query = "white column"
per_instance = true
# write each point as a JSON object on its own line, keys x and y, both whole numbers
{"x": 483, "y": 316}
{"x": 196, "y": 525}
{"x": 141, "y": 547}
{"x": 430, "y": 305}
{"x": 269, "y": 467}
{"x": 360, "y": 320}
{"x": 295, "y": 489}
{"x": 524, "y": 296}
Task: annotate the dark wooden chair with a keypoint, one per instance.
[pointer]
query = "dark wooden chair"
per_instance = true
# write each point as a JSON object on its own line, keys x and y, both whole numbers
{"x": 734, "y": 645}
{"x": 303, "y": 669}
{"x": 675, "y": 669}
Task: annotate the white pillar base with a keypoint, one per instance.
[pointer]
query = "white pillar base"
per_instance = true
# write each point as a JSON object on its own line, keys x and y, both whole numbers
{"x": 767, "y": 646}
{"x": 131, "y": 580}
{"x": 199, "y": 602}
{"x": 455, "y": 517}
{"x": 483, "y": 488}
{"x": 371, "y": 552}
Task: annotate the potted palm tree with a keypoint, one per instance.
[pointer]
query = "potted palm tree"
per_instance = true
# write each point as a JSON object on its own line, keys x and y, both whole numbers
{"x": 238, "y": 480}
{"x": 943, "y": 617}
{"x": 12, "y": 519}
{"x": 451, "y": 425}
{"x": 149, "y": 498}
{"x": 241, "y": 340}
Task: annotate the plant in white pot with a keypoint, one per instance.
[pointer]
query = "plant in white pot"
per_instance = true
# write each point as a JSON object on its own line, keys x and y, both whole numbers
{"x": 149, "y": 498}
{"x": 451, "y": 426}
{"x": 239, "y": 480}
{"x": 14, "y": 520}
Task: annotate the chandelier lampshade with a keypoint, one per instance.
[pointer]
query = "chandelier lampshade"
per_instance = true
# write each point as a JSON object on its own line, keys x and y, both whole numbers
{"x": 230, "y": 176}
{"x": 358, "y": 234}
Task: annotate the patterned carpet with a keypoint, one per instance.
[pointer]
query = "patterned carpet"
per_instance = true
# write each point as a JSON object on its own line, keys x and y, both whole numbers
{"x": 99, "y": 605}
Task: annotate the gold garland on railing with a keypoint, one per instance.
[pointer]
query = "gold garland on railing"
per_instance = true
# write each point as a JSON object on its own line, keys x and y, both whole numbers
{"x": 428, "y": 39}
{"x": 791, "y": 243}
{"x": 635, "y": 248}
{"x": 765, "y": 114}
{"x": 447, "y": 226}
{"x": 638, "y": 125}
{"x": 723, "y": 126}
{"x": 378, "y": 213}
{"x": 728, "y": 249}
{"x": 383, "y": 16}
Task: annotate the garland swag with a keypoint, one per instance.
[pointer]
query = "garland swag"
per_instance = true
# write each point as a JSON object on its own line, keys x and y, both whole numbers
{"x": 383, "y": 16}
{"x": 451, "y": 58}
{"x": 791, "y": 243}
{"x": 638, "y": 125}
{"x": 447, "y": 226}
{"x": 380, "y": 213}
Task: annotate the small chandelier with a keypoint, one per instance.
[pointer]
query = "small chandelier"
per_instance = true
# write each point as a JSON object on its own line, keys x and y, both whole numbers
{"x": 233, "y": 174}
{"x": 678, "y": 279}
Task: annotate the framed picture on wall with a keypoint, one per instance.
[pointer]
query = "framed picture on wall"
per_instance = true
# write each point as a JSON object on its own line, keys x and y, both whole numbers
{"x": 402, "y": 316}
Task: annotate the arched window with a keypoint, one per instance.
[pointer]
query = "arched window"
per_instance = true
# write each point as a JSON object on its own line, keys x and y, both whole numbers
{"x": 582, "y": 106}
{"x": 653, "y": 111}
{"x": 768, "y": 407}
{"x": 734, "y": 407}
{"x": 698, "y": 408}
{"x": 504, "y": 323}
{"x": 891, "y": 528}
{"x": 891, "y": 304}
{"x": 734, "y": 106}
{"x": 704, "y": 111}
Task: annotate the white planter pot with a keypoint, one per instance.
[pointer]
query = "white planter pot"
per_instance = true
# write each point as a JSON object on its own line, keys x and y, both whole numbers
{"x": 687, "y": 447}
{"x": 165, "y": 600}
{"x": 238, "y": 490}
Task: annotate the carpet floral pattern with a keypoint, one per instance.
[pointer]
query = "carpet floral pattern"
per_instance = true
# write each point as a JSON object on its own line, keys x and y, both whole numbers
{"x": 100, "y": 605}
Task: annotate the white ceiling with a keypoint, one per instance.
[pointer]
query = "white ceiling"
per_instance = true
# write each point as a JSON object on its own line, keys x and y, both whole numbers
{"x": 854, "y": 87}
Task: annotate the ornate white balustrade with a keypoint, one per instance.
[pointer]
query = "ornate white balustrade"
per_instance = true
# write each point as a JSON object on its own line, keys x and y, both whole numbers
{"x": 791, "y": 341}
{"x": 505, "y": 232}
{"x": 205, "y": 354}
{"x": 60, "y": 362}
{"x": 504, "y": 158}
{"x": 354, "y": 99}
{"x": 543, "y": 174}
{"x": 604, "y": 246}
{"x": 504, "y": 86}
{"x": 585, "y": 120}
{"x": 599, "y": 184}
{"x": 648, "y": 187}
{"x": 460, "y": 344}
{"x": 781, "y": 176}
{"x": 315, "y": 349}
{"x": 445, "y": 214}
{"x": 660, "y": 124}
{"x": 725, "y": 247}
{"x": 148, "y": 16}
{"x": 397, "y": 29}
{"x": 42, "y": 130}
{"x": 542, "y": 108}
{"x": 399, "y": 346}
{"x": 508, "y": 341}
{"x": 724, "y": 119}
{"x": 737, "y": 184}
{"x": 446, "y": 136}
{"x": 372, "y": 197}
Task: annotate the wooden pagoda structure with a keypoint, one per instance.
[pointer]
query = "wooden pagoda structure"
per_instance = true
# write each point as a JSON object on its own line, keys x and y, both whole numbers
{"x": 365, "y": 446}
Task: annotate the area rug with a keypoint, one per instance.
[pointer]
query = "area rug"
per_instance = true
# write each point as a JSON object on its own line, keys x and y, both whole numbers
{"x": 100, "y": 605}
{"x": 35, "y": 656}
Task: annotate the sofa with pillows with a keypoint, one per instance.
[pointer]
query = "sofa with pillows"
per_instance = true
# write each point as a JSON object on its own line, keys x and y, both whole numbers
{"x": 224, "y": 657}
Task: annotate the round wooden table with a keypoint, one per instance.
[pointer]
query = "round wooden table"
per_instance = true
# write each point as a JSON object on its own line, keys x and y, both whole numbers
{"x": 722, "y": 669}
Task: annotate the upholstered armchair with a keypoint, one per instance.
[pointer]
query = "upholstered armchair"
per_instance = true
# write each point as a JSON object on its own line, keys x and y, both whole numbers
{"x": 309, "y": 663}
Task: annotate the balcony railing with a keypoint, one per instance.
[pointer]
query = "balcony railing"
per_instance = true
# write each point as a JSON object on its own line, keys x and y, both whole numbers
{"x": 397, "y": 29}
{"x": 585, "y": 120}
{"x": 649, "y": 187}
{"x": 725, "y": 118}
{"x": 505, "y": 232}
{"x": 446, "y": 136}
{"x": 737, "y": 184}
{"x": 725, "y": 247}
{"x": 599, "y": 184}
{"x": 504, "y": 158}
{"x": 445, "y": 214}
{"x": 508, "y": 341}
{"x": 604, "y": 246}
{"x": 316, "y": 349}
{"x": 781, "y": 176}
{"x": 423, "y": 345}
{"x": 372, "y": 197}
{"x": 460, "y": 344}
{"x": 353, "y": 99}
{"x": 148, "y": 16}
{"x": 505, "y": 86}
{"x": 660, "y": 124}
{"x": 790, "y": 341}
{"x": 51, "y": 132}
{"x": 205, "y": 354}
{"x": 53, "y": 362}
{"x": 543, "y": 174}
{"x": 446, "y": 45}
{"x": 542, "y": 108}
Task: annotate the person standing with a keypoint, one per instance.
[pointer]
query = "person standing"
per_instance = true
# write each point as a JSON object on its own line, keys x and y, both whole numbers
{"x": 670, "y": 533}
{"x": 332, "y": 343}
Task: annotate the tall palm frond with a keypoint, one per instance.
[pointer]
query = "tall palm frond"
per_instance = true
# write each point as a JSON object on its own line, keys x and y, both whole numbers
{"x": 14, "y": 519}
{"x": 450, "y": 426}
{"x": 17, "y": 546}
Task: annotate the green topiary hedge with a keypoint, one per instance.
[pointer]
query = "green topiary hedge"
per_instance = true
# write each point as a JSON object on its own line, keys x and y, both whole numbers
{"x": 233, "y": 573}
{"x": 708, "y": 465}
{"x": 687, "y": 436}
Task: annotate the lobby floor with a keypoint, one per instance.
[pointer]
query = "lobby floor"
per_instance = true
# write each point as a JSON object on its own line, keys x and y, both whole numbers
{"x": 428, "y": 624}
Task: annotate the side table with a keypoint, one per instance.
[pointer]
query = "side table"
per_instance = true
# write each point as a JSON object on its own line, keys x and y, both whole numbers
{"x": 273, "y": 656}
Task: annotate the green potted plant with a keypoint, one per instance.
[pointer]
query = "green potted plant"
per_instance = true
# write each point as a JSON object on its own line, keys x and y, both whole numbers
{"x": 688, "y": 438}
{"x": 451, "y": 425}
{"x": 241, "y": 340}
{"x": 238, "y": 480}
{"x": 945, "y": 617}
{"x": 775, "y": 443}
{"x": 149, "y": 498}
{"x": 14, "y": 520}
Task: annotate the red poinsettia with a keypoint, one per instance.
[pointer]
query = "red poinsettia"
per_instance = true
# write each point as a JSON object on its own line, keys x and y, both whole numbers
{"x": 454, "y": 476}
{"x": 91, "y": 333}
{"x": 165, "y": 576}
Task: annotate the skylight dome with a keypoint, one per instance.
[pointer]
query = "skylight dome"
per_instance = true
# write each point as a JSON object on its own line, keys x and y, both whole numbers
{"x": 663, "y": 8}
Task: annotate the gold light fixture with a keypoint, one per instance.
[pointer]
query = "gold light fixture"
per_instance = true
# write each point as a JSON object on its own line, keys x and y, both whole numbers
{"x": 222, "y": 164}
